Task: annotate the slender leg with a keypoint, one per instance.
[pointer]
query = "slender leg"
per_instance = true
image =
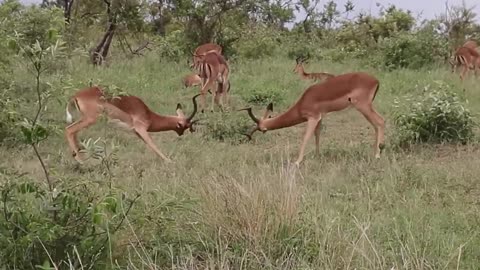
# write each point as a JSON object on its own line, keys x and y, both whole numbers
{"x": 203, "y": 92}
{"x": 215, "y": 97}
{"x": 226, "y": 92}
{"x": 142, "y": 133}
{"x": 464, "y": 72}
{"x": 218, "y": 95}
{"x": 378, "y": 123}
{"x": 311, "y": 124}
{"x": 71, "y": 134}
{"x": 317, "y": 137}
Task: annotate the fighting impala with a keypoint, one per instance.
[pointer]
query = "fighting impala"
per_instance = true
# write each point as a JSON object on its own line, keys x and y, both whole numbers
{"x": 213, "y": 69}
{"x": 319, "y": 76}
{"x": 338, "y": 93}
{"x": 129, "y": 112}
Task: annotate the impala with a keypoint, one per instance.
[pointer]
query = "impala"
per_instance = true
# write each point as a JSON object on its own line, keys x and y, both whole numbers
{"x": 129, "y": 112}
{"x": 470, "y": 44}
{"x": 338, "y": 93}
{"x": 202, "y": 50}
{"x": 468, "y": 58}
{"x": 319, "y": 76}
{"x": 191, "y": 80}
{"x": 213, "y": 69}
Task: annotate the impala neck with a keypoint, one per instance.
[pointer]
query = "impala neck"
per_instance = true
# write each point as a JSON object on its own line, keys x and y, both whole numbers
{"x": 303, "y": 73}
{"x": 162, "y": 123}
{"x": 287, "y": 119}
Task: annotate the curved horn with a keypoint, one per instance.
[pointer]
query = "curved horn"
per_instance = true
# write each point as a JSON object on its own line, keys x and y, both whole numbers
{"x": 195, "y": 107}
{"x": 250, "y": 132}
{"x": 249, "y": 110}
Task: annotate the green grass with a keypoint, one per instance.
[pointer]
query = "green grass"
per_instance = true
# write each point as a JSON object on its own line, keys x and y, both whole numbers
{"x": 243, "y": 206}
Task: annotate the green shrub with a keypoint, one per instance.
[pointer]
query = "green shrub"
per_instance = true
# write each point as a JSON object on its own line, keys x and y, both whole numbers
{"x": 263, "y": 96}
{"x": 439, "y": 116}
{"x": 68, "y": 226}
{"x": 226, "y": 127}
{"x": 9, "y": 117}
{"x": 257, "y": 43}
{"x": 172, "y": 46}
{"x": 408, "y": 50}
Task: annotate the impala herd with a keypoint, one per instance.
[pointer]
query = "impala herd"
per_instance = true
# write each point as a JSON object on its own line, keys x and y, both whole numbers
{"x": 334, "y": 93}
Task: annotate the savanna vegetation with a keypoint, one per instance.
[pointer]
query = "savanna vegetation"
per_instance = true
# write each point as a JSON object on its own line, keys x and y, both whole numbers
{"x": 225, "y": 202}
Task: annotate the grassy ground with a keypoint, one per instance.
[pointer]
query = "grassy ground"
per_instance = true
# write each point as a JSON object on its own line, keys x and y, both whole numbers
{"x": 228, "y": 205}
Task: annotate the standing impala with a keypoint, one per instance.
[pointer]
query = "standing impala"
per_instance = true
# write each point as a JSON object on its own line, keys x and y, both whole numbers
{"x": 129, "y": 112}
{"x": 336, "y": 94}
{"x": 202, "y": 50}
{"x": 319, "y": 76}
{"x": 213, "y": 69}
{"x": 468, "y": 58}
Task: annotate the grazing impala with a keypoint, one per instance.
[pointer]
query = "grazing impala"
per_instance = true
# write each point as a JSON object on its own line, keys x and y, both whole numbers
{"x": 468, "y": 58}
{"x": 129, "y": 112}
{"x": 191, "y": 80}
{"x": 213, "y": 69}
{"x": 338, "y": 93}
{"x": 319, "y": 76}
{"x": 202, "y": 50}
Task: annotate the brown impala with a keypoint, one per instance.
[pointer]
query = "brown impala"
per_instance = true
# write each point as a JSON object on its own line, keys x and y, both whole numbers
{"x": 202, "y": 50}
{"x": 213, "y": 69}
{"x": 129, "y": 112}
{"x": 356, "y": 90}
{"x": 318, "y": 76}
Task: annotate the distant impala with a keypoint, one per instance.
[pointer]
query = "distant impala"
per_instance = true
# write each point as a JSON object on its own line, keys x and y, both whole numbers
{"x": 318, "y": 76}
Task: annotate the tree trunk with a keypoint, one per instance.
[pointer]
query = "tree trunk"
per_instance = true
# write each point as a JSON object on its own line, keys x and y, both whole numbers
{"x": 100, "y": 52}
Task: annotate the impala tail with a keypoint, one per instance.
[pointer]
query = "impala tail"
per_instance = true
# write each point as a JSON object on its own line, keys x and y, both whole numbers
{"x": 69, "y": 117}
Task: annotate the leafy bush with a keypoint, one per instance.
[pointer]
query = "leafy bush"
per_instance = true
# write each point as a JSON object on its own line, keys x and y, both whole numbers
{"x": 436, "y": 117}
{"x": 172, "y": 46}
{"x": 8, "y": 117}
{"x": 407, "y": 50}
{"x": 226, "y": 127}
{"x": 68, "y": 226}
{"x": 257, "y": 43}
{"x": 263, "y": 96}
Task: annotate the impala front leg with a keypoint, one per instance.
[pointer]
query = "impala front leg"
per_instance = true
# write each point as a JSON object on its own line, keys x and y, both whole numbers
{"x": 143, "y": 134}
{"x": 317, "y": 137}
{"x": 311, "y": 125}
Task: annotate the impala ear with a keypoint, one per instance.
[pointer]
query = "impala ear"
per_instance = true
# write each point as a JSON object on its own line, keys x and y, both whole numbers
{"x": 268, "y": 111}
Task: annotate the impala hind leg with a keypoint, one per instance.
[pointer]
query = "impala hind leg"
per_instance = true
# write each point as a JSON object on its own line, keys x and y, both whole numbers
{"x": 143, "y": 134}
{"x": 71, "y": 133}
{"x": 378, "y": 124}
{"x": 310, "y": 129}
{"x": 203, "y": 92}
{"x": 216, "y": 94}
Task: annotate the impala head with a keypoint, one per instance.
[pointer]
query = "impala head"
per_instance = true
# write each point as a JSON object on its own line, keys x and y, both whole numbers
{"x": 259, "y": 123}
{"x": 184, "y": 122}
{"x": 299, "y": 64}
